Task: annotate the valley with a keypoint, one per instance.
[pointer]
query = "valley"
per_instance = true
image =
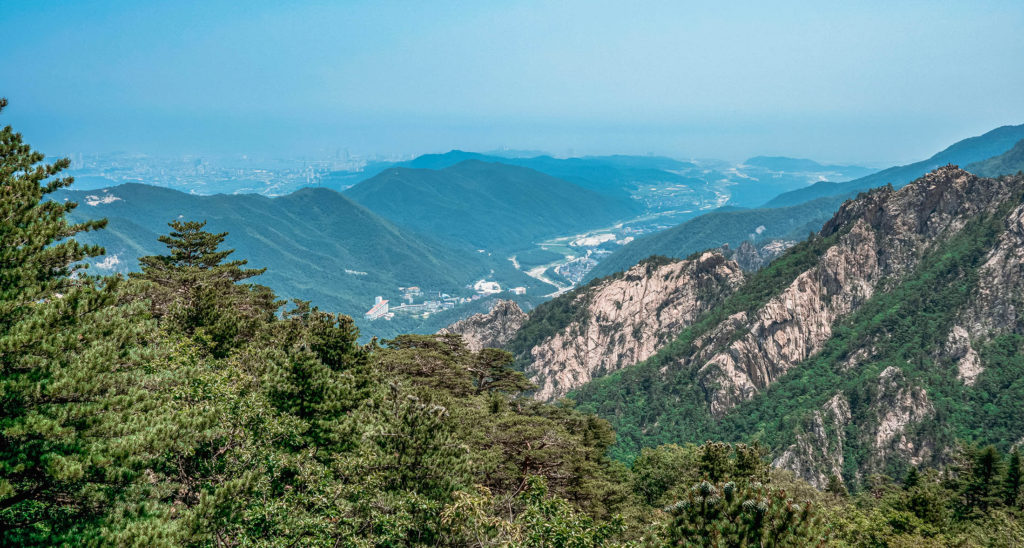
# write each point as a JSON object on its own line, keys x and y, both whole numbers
{"x": 512, "y": 274}
{"x": 861, "y": 350}
{"x": 605, "y": 215}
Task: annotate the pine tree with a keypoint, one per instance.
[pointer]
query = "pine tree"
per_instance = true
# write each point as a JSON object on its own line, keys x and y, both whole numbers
{"x": 320, "y": 376}
{"x": 62, "y": 358}
{"x": 983, "y": 490}
{"x": 1013, "y": 480}
{"x": 740, "y": 515}
{"x": 836, "y": 486}
{"x": 976, "y": 476}
{"x": 492, "y": 369}
{"x": 912, "y": 479}
{"x": 196, "y": 292}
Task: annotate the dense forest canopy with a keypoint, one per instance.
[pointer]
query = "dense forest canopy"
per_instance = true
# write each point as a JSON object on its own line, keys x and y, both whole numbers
{"x": 183, "y": 405}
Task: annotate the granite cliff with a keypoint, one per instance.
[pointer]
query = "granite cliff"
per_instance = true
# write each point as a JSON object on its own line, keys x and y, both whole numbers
{"x": 491, "y": 330}
{"x": 872, "y": 346}
{"x": 621, "y": 321}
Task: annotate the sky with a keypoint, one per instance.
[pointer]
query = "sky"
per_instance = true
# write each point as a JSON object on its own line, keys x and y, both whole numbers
{"x": 865, "y": 82}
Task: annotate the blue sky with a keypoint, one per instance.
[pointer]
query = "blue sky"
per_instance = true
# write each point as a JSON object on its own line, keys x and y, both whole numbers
{"x": 872, "y": 82}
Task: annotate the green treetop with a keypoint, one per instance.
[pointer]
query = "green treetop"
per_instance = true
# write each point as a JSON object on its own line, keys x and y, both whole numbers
{"x": 194, "y": 290}
{"x": 62, "y": 357}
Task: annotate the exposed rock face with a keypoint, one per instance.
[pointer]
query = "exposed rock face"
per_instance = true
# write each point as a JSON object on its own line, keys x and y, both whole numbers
{"x": 752, "y": 258}
{"x": 968, "y": 362}
{"x": 818, "y": 453}
{"x": 888, "y": 430}
{"x": 997, "y": 301}
{"x": 794, "y": 324}
{"x": 492, "y": 330}
{"x": 881, "y": 237}
{"x": 628, "y": 319}
{"x": 897, "y": 407}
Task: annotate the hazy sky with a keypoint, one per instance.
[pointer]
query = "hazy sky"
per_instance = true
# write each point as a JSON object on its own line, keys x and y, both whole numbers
{"x": 877, "y": 82}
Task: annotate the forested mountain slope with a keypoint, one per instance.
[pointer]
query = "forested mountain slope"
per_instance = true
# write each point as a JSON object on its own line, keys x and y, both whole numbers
{"x": 489, "y": 206}
{"x": 1007, "y": 163}
{"x": 316, "y": 243}
{"x": 870, "y": 347}
{"x": 728, "y": 226}
{"x": 973, "y": 149}
{"x": 618, "y": 321}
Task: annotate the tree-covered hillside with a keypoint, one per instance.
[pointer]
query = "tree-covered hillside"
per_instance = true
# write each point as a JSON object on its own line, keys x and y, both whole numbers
{"x": 489, "y": 206}
{"x": 730, "y": 226}
{"x": 316, "y": 243}
{"x": 1008, "y": 163}
{"x": 973, "y": 149}
{"x": 183, "y": 405}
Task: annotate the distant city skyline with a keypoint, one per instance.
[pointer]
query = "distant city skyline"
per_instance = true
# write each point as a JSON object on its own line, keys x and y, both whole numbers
{"x": 867, "y": 83}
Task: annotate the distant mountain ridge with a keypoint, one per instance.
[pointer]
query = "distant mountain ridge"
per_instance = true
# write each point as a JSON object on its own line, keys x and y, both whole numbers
{"x": 785, "y": 163}
{"x": 614, "y": 175}
{"x": 792, "y": 214}
{"x": 972, "y": 149}
{"x": 317, "y": 244}
{"x": 868, "y": 348}
{"x": 605, "y": 174}
{"x": 731, "y": 226}
{"x": 491, "y": 206}
{"x": 1008, "y": 163}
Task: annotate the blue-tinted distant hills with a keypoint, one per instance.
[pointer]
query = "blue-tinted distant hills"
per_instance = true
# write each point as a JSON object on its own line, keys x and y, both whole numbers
{"x": 727, "y": 225}
{"x": 803, "y": 165}
{"x": 615, "y": 175}
{"x": 963, "y": 152}
{"x": 487, "y": 205}
{"x": 1008, "y": 163}
{"x": 793, "y": 214}
{"x": 316, "y": 244}
{"x": 762, "y": 178}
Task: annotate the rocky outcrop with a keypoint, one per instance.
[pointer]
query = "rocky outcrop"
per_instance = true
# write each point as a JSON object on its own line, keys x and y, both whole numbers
{"x": 492, "y": 330}
{"x": 897, "y": 407}
{"x": 794, "y": 324}
{"x": 996, "y": 305}
{"x": 627, "y": 319}
{"x": 752, "y": 258}
{"x": 886, "y": 428}
{"x": 880, "y": 237}
{"x": 818, "y": 453}
{"x": 959, "y": 349}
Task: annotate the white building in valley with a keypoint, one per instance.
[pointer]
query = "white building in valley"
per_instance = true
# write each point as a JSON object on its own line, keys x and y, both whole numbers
{"x": 484, "y": 287}
{"x": 379, "y": 309}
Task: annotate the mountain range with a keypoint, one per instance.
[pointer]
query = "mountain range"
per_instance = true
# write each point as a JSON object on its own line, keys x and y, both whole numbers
{"x": 425, "y": 223}
{"x": 791, "y": 215}
{"x": 973, "y": 149}
{"x": 870, "y": 347}
{"x": 317, "y": 244}
{"x": 491, "y": 206}
{"x": 1011, "y": 161}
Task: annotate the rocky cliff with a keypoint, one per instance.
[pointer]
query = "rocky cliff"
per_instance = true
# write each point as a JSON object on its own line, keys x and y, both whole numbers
{"x": 752, "y": 257}
{"x": 623, "y": 320}
{"x": 873, "y": 346}
{"x": 492, "y": 330}
{"x": 879, "y": 238}
{"x": 887, "y": 430}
